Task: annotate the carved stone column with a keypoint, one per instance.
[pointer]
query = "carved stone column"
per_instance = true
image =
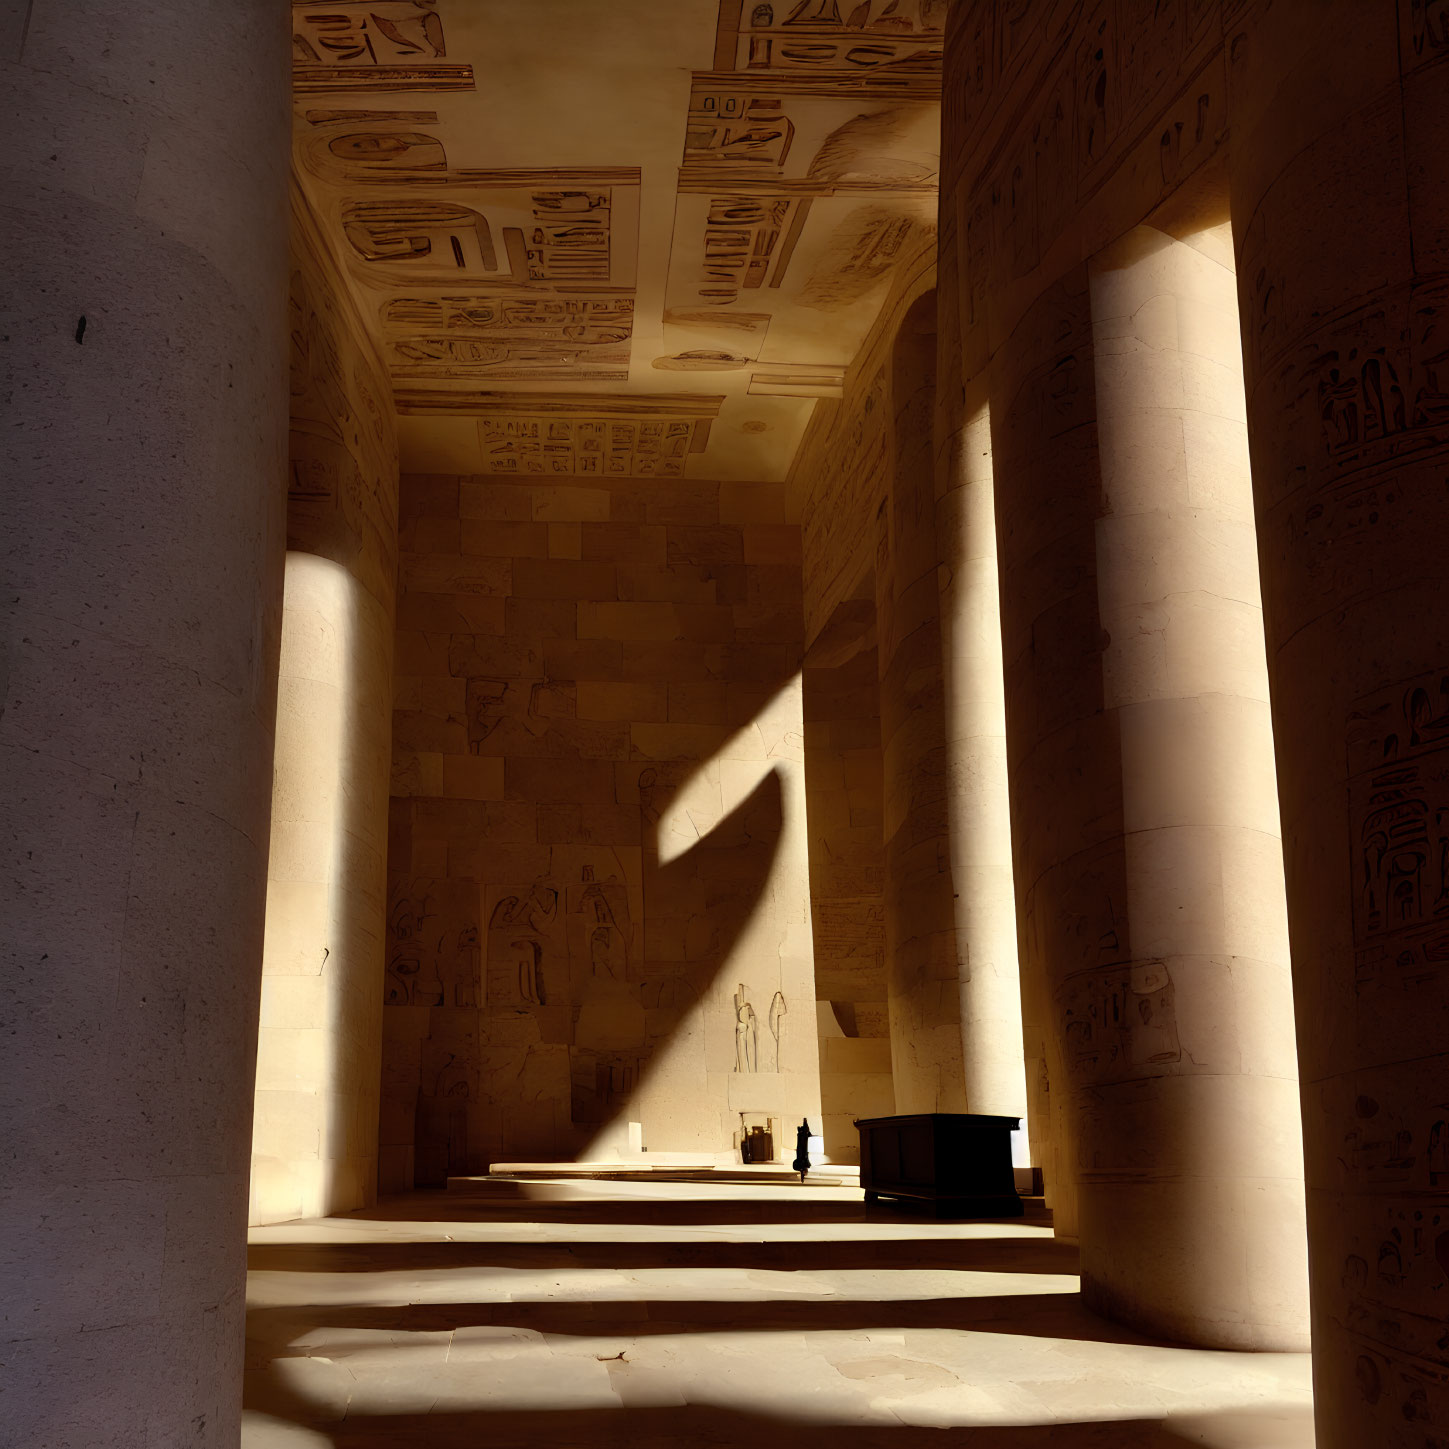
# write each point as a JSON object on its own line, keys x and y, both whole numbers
{"x": 144, "y": 211}
{"x": 1341, "y": 217}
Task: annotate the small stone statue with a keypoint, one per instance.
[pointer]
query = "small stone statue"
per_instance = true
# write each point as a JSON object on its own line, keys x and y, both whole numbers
{"x": 801, "y": 1163}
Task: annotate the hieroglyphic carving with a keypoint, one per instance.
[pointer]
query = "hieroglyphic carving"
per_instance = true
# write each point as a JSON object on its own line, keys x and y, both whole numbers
{"x": 1150, "y": 51}
{"x": 366, "y": 32}
{"x": 1399, "y": 818}
{"x": 435, "y": 236}
{"x": 832, "y": 34}
{"x": 600, "y": 933}
{"x": 710, "y": 341}
{"x": 743, "y": 130}
{"x": 510, "y": 336}
{"x": 434, "y": 957}
{"x": 1423, "y": 31}
{"x": 564, "y": 238}
{"x": 1368, "y": 389}
{"x": 747, "y": 1034}
{"x": 735, "y": 129}
{"x": 348, "y": 45}
{"x": 860, "y": 254}
{"x": 740, "y": 237}
{"x": 1096, "y": 90}
{"x": 524, "y": 932}
{"x": 851, "y": 472}
{"x": 1121, "y": 1016}
{"x": 702, "y": 359}
{"x": 657, "y": 448}
{"x": 695, "y": 408}
{"x": 342, "y": 456}
{"x": 389, "y": 151}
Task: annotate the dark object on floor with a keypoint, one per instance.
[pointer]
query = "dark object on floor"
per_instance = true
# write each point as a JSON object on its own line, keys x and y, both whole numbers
{"x": 960, "y": 1162}
{"x": 801, "y": 1163}
{"x": 757, "y": 1145}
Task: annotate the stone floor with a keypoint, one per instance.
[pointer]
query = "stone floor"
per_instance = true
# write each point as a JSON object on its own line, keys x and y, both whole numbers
{"x": 654, "y": 1314}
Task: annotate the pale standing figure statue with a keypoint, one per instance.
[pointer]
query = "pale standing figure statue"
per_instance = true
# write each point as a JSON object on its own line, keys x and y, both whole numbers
{"x": 777, "y": 1022}
{"x": 746, "y": 1034}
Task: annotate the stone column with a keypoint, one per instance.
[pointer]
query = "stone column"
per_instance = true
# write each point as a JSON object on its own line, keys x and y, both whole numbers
{"x": 144, "y": 214}
{"x": 1341, "y": 216}
{"x": 1143, "y": 781}
{"x": 920, "y": 937}
{"x": 319, "y": 1048}
{"x": 1063, "y": 816}
{"x": 1194, "y": 1217}
{"x": 977, "y": 804}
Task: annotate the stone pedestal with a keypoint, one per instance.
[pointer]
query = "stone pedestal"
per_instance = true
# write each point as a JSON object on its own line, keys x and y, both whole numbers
{"x": 1341, "y": 219}
{"x": 143, "y": 207}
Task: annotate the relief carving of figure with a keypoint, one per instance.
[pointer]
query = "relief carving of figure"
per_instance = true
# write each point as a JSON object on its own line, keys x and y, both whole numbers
{"x": 777, "y": 1022}
{"x": 746, "y": 1034}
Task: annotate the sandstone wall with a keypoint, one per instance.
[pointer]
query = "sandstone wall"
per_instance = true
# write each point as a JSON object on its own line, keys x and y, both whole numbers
{"x": 599, "y": 909}
{"x": 847, "y": 884}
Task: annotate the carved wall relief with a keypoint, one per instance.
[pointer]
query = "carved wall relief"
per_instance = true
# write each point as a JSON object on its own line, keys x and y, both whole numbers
{"x": 859, "y": 257}
{"x": 778, "y": 1011}
{"x": 434, "y": 957}
{"x": 521, "y": 235}
{"x": 805, "y": 100}
{"x": 887, "y": 35}
{"x": 736, "y": 130}
{"x": 431, "y": 236}
{"x": 352, "y": 45}
{"x": 510, "y": 336}
{"x": 1399, "y": 813}
{"x": 1117, "y": 1019}
{"x": 747, "y": 1034}
{"x": 740, "y": 237}
{"x": 655, "y": 448}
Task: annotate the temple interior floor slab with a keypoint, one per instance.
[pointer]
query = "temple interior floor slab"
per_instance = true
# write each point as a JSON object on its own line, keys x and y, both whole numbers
{"x": 638, "y": 1313}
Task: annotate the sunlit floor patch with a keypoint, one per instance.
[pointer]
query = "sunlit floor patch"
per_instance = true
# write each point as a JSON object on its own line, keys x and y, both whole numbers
{"x": 606, "y": 1313}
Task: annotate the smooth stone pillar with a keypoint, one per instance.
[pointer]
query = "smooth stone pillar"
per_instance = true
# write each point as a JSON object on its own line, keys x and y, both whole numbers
{"x": 1142, "y": 784}
{"x": 319, "y": 1047}
{"x": 1341, "y": 216}
{"x": 922, "y": 970}
{"x": 977, "y": 803}
{"x": 1063, "y": 815}
{"x": 143, "y": 202}
{"x": 1193, "y": 1222}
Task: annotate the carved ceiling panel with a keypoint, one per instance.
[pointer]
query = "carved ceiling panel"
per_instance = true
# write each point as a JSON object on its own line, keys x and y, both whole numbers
{"x": 685, "y": 221}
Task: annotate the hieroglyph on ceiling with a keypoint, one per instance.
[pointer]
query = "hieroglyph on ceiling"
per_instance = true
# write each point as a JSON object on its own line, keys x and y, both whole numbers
{"x": 372, "y": 45}
{"x": 808, "y": 167}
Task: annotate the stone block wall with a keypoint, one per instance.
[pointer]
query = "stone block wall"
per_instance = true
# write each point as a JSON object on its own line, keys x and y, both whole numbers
{"x": 599, "y": 906}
